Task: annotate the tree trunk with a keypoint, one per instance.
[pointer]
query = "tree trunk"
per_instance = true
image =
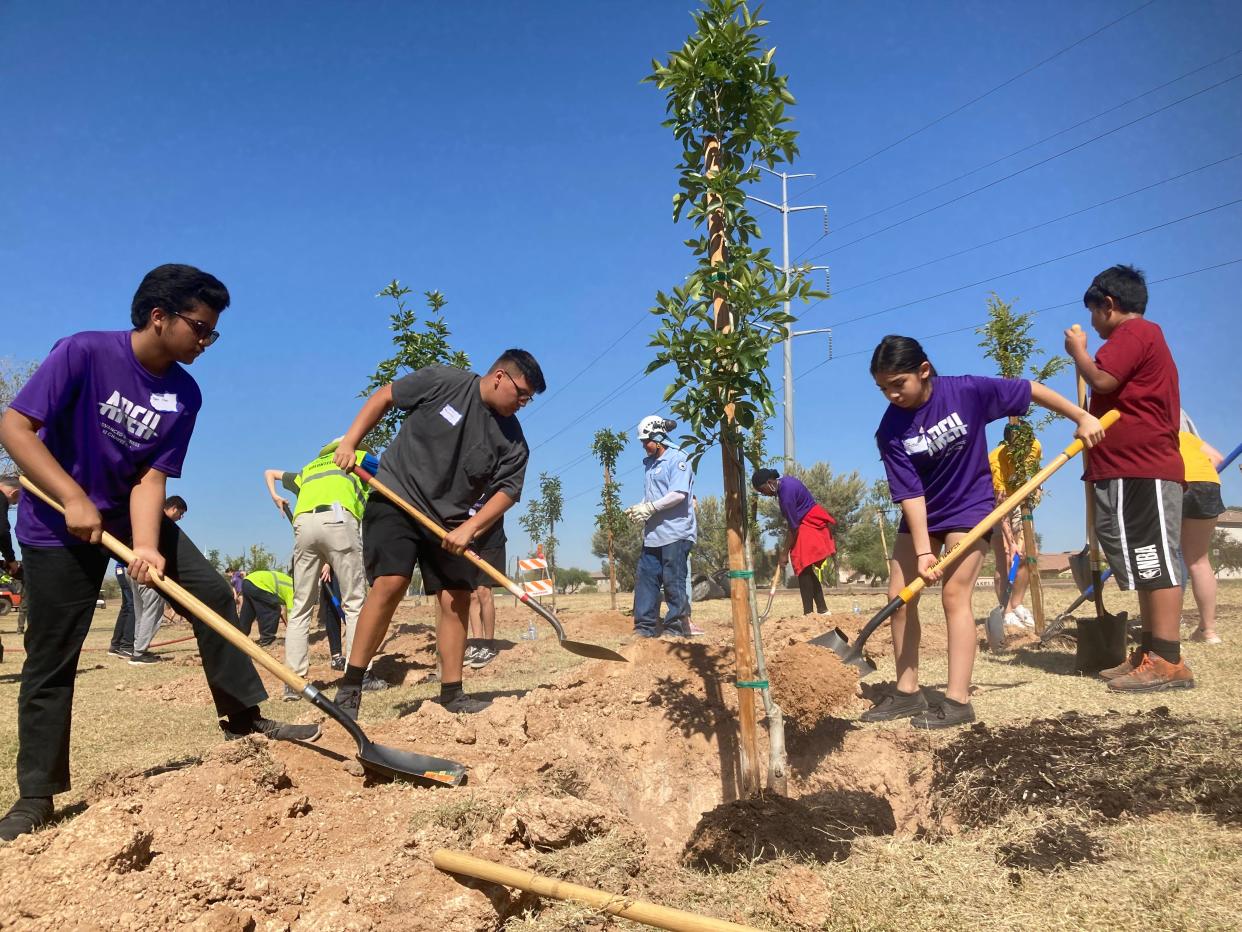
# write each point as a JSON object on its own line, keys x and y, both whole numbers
{"x": 612, "y": 562}
{"x": 749, "y": 779}
{"x": 1030, "y": 547}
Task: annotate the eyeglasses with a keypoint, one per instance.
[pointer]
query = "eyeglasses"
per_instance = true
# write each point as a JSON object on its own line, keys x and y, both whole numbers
{"x": 523, "y": 397}
{"x": 201, "y": 329}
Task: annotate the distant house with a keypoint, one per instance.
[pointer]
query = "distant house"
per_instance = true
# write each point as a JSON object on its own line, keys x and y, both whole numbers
{"x": 1230, "y": 524}
{"x": 1055, "y": 565}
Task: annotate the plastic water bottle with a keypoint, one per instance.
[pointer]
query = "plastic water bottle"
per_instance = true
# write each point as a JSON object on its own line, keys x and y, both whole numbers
{"x": 857, "y": 609}
{"x": 531, "y": 634}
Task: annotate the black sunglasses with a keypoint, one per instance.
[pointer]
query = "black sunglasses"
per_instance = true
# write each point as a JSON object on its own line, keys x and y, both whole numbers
{"x": 201, "y": 329}
{"x": 522, "y": 396}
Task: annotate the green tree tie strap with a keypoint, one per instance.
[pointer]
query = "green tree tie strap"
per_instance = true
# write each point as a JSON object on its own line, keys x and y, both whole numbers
{"x": 751, "y": 684}
{"x": 741, "y": 574}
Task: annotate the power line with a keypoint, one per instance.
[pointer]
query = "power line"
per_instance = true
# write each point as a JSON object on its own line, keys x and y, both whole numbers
{"x": 1077, "y": 302}
{"x": 1038, "y": 142}
{"x": 1036, "y": 265}
{"x": 1000, "y": 239}
{"x": 626, "y": 385}
{"x": 985, "y": 94}
{"x": 585, "y": 368}
{"x": 1020, "y": 171}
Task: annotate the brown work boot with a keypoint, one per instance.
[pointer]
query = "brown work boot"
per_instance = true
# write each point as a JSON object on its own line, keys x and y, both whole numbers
{"x": 1124, "y": 668}
{"x": 1154, "y": 673}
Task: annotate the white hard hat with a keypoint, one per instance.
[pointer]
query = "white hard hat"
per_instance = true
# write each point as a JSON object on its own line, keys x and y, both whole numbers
{"x": 654, "y": 427}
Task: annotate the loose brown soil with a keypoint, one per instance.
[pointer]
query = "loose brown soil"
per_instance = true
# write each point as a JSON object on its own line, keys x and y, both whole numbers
{"x": 626, "y": 777}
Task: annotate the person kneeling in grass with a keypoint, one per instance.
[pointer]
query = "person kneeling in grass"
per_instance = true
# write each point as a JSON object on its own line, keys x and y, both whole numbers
{"x": 101, "y": 426}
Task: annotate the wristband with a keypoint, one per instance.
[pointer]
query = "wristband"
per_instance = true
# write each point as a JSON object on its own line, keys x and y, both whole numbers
{"x": 927, "y": 553}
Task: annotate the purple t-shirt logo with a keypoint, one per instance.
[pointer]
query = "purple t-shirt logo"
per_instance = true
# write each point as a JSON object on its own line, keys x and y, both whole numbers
{"x": 139, "y": 421}
{"x": 106, "y": 420}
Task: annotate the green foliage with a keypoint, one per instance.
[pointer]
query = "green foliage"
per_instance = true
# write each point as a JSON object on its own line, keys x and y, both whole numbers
{"x": 627, "y": 545}
{"x": 571, "y": 579}
{"x": 257, "y": 557}
{"x": 722, "y": 85}
{"x": 1225, "y": 552}
{"x": 13, "y": 375}
{"x": 415, "y": 349}
{"x": 607, "y": 447}
{"x": 541, "y": 518}
{"x": 1007, "y": 340}
{"x": 216, "y": 559}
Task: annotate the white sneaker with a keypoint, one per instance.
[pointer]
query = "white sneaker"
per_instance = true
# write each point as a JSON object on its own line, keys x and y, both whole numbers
{"x": 1028, "y": 620}
{"x": 1014, "y": 620}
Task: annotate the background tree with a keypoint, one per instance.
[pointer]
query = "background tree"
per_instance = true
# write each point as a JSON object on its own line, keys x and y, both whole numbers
{"x": 416, "y": 348}
{"x": 607, "y": 447}
{"x": 1007, "y": 340}
{"x": 1225, "y": 552}
{"x": 13, "y": 375}
{"x": 256, "y": 557}
{"x": 571, "y": 579}
{"x": 627, "y": 545}
{"x": 553, "y": 504}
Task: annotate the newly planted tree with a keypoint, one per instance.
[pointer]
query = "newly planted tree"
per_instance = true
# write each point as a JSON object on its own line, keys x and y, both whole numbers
{"x": 416, "y": 348}
{"x": 1007, "y": 340}
{"x": 553, "y": 504}
{"x": 607, "y": 447}
{"x": 726, "y": 107}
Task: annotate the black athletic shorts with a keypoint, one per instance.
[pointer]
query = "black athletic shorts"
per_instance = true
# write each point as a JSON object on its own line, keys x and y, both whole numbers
{"x": 1139, "y": 526}
{"x": 491, "y": 547}
{"x": 393, "y": 543}
{"x": 1202, "y": 501}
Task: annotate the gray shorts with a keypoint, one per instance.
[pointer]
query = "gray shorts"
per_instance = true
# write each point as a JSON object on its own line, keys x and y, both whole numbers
{"x": 1139, "y": 526}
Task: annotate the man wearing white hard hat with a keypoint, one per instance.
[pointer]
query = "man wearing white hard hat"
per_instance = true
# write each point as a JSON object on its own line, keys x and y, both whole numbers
{"x": 666, "y": 514}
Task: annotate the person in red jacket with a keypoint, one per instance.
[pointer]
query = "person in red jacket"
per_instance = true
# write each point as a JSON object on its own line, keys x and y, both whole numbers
{"x": 810, "y": 533}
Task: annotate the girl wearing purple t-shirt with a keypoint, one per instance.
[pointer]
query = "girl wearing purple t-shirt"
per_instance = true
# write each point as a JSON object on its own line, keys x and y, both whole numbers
{"x": 935, "y": 454}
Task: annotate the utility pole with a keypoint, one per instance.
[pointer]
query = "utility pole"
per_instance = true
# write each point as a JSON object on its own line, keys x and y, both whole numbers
{"x": 790, "y": 333}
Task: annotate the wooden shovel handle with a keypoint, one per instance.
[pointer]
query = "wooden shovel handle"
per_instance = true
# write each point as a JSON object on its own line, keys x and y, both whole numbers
{"x": 1108, "y": 420}
{"x": 194, "y": 605}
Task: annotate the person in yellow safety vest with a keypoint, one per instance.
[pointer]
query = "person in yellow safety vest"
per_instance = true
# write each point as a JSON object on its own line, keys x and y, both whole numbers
{"x": 264, "y": 594}
{"x": 1009, "y": 541}
{"x": 326, "y": 530}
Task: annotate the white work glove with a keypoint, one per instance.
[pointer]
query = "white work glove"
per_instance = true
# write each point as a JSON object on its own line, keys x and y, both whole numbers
{"x": 641, "y": 512}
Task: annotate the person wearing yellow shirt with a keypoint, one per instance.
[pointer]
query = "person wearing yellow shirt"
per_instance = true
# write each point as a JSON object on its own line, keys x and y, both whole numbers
{"x": 266, "y": 594}
{"x": 1202, "y": 506}
{"x": 1005, "y": 545}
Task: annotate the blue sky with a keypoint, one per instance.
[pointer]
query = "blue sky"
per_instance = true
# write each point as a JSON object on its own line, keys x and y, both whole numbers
{"x": 507, "y": 155}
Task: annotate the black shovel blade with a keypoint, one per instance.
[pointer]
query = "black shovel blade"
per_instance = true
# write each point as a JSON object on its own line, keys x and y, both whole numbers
{"x": 387, "y": 762}
{"x": 594, "y": 651}
{"x": 410, "y": 766}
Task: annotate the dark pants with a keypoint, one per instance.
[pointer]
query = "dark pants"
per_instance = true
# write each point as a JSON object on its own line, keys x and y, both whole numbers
{"x": 812, "y": 592}
{"x": 64, "y": 583}
{"x": 264, "y": 606}
{"x": 662, "y": 571}
{"x": 123, "y": 633}
{"x": 328, "y": 615}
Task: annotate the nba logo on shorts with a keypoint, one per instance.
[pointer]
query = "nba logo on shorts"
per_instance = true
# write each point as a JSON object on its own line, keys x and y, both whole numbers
{"x": 1147, "y": 562}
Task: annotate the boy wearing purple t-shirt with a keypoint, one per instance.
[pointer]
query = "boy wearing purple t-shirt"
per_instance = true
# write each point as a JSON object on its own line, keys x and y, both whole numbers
{"x": 932, "y": 442}
{"x": 101, "y": 426}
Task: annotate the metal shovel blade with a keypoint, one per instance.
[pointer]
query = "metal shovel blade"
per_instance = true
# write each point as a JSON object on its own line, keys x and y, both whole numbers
{"x": 387, "y": 762}
{"x": 594, "y": 651}
{"x": 836, "y": 642}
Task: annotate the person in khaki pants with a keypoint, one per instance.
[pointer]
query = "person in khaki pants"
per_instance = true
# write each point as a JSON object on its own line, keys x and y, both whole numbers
{"x": 326, "y": 521}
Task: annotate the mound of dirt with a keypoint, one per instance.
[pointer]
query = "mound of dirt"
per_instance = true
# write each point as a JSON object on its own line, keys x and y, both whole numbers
{"x": 737, "y": 834}
{"x": 1112, "y": 764}
{"x": 811, "y": 683}
{"x": 601, "y": 777}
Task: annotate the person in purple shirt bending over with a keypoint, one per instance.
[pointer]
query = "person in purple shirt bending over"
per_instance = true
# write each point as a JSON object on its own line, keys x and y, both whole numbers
{"x": 932, "y": 443}
{"x": 101, "y": 426}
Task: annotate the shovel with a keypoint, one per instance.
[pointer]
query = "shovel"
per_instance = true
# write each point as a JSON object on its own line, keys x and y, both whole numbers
{"x": 836, "y": 641}
{"x": 776, "y": 578}
{"x": 581, "y": 648}
{"x": 376, "y": 758}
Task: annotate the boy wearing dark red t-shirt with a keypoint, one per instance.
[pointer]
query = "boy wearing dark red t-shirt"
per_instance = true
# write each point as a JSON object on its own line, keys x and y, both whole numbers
{"x": 1136, "y": 471}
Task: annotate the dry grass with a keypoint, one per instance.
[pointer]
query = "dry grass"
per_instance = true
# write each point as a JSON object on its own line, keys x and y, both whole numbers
{"x": 1171, "y": 870}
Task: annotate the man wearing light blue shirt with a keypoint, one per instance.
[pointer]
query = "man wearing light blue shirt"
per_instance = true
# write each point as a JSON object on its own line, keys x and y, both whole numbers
{"x": 669, "y": 532}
